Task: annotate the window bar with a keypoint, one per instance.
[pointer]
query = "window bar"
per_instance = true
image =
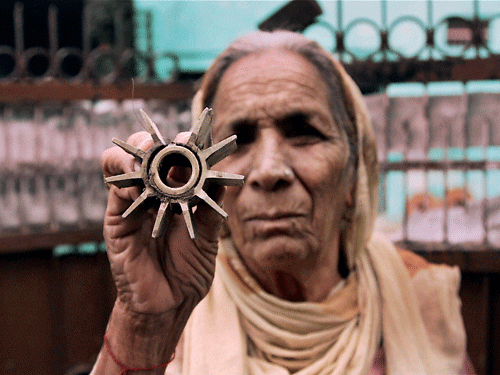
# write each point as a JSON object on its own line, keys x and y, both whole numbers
{"x": 430, "y": 35}
{"x": 430, "y": 14}
{"x": 477, "y": 28}
{"x": 427, "y": 145}
{"x": 384, "y": 33}
{"x": 119, "y": 48}
{"x": 406, "y": 128}
{"x": 87, "y": 20}
{"x": 119, "y": 29}
{"x": 484, "y": 202}
{"x": 467, "y": 168}
{"x": 53, "y": 39}
{"x": 385, "y": 161}
{"x": 446, "y": 171}
{"x": 150, "y": 51}
{"x": 19, "y": 37}
{"x": 339, "y": 35}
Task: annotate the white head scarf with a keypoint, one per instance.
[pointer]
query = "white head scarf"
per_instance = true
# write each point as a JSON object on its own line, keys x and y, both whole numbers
{"x": 240, "y": 329}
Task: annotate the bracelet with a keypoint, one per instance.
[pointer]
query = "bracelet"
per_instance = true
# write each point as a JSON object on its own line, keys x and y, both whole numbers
{"x": 126, "y": 369}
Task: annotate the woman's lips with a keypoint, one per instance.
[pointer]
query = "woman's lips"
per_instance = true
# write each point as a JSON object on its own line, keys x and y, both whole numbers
{"x": 266, "y": 225}
{"x": 267, "y": 217}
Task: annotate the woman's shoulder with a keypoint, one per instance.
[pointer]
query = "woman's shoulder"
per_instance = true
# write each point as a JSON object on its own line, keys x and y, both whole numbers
{"x": 429, "y": 274}
{"x": 413, "y": 262}
{"x": 436, "y": 285}
{"x": 437, "y": 289}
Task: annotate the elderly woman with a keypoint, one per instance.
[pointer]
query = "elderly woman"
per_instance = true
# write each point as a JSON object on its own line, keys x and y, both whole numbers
{"x": 296, "y": 281}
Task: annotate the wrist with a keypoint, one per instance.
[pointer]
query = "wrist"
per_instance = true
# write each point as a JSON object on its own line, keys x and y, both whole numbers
{"x": 141, "y": 340}
{"x": 124, "y": 369}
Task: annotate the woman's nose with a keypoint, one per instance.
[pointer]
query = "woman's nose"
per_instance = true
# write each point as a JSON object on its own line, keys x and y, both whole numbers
{"x": 270, "y": 169}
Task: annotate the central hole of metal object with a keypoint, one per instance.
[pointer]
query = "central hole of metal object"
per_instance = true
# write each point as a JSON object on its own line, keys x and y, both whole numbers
{"x": 175, "y": 170}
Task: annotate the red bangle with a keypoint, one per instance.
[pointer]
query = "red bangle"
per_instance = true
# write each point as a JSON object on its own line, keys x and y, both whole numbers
{"x": 126, "y": 369}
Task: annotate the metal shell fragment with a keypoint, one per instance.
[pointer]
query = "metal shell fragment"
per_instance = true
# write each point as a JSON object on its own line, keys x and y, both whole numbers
{"x": 198, "y": 154}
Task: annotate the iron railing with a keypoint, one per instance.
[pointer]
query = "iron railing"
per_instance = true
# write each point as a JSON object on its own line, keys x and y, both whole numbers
{"x": 448, "y": 48}
{"x": 67, "y": 74}
{"x": 439, "y": 159}
{"x": 104, "y": 63}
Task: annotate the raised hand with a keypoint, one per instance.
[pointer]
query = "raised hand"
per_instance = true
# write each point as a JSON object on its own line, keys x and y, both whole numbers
{"x": 155, "y": 275}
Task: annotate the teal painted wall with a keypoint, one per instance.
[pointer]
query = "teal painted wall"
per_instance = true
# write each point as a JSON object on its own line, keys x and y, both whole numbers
{"x": 198, "y": 30}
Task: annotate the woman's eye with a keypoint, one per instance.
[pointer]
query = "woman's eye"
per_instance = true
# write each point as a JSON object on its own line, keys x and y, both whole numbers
{"x": 245, "y": 132}
{"x": 298, "y": 129}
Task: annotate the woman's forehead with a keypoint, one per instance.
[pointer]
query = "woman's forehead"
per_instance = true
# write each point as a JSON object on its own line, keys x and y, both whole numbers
{"x": 269, "y": 65}
{"x": 273, "y": 79}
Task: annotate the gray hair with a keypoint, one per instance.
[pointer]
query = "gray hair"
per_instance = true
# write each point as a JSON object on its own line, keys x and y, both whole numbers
{"x": 310, "y": 50}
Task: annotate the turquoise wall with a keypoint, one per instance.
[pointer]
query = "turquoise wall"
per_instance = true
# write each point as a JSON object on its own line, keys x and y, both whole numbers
{"x": 198, "y": 30}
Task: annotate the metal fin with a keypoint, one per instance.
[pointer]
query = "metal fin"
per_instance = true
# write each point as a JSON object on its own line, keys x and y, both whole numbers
{"x": 203, "y": 195}
{"x": 220, "y": 150}
{"x": 138, "y": 204}
{"x": 137, "y": 152}
{"x": 201, "y": 131}
{"x": 223, "y": 178}
{"x": 126, "y": 179}
{"x": 162, "y": 220}
{"x": 188, "y": 218}
{"x": 152, "y": 128}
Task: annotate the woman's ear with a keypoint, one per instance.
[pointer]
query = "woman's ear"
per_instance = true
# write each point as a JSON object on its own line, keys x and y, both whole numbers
{"x": 348, "y": 213}
{"x": 349, "y": 199}
{"x": 351, "y": 190}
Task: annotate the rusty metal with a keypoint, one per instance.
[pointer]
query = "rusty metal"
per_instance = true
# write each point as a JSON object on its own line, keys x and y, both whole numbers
{"x": 117, "y": 62}
{"x": 198, "y": 154}
{"x": 430, "y": 61}
{"x": 426, "y": 165}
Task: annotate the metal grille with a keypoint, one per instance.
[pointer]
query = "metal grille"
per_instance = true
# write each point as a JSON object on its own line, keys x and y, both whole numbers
{"x": 439, "y": 160}
{"x": 425, "y": 138}
{"x": 108, "y": 60}
{"x": 433, "y": 50}
{"x": 50, "y": 178}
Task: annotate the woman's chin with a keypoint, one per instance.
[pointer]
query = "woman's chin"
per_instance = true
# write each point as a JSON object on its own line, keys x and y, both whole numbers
{"x": 278, "y": 251}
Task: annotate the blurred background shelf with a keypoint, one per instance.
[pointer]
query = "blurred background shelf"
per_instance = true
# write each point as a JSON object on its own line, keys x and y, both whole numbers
{"x": 42, "y": 240}
{"x": 64, "y": 91}
{"x": 469, "y": 258}
{"x": 74, "y": 74}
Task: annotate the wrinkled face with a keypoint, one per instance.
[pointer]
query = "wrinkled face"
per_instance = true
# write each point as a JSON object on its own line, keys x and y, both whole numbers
{"x": 294, "y": 158}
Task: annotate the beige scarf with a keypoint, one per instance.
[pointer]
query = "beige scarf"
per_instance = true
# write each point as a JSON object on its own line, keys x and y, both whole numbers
{"x": 239, "y": 329}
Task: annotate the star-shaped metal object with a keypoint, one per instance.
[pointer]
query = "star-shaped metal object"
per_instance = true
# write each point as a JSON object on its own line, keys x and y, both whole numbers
{"x": 198, "y": 155}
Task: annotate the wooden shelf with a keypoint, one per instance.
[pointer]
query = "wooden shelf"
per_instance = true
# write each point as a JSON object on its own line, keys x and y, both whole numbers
{"x": 24, "y": 242}
{"x": 441, "y": 165}
{"x": 36, "y": 90}
{"x": 371, "y": 75}
{"x": 469, "y": 257}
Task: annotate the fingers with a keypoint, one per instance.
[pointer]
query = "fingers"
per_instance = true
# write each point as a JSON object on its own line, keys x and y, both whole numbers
{"x": 141, "y": 140}
{"x": 116, "y": 161}
{"x": 182, "y": 137}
